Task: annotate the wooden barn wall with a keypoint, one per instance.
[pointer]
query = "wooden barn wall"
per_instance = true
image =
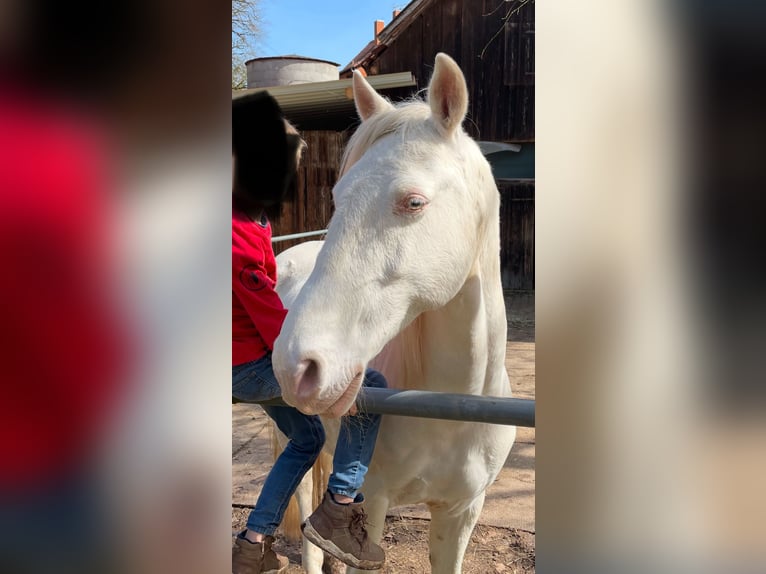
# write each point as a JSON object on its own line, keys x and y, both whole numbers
{"x": 313, "y": 207}
{"x": 517, "y": 234}
{"x": 495, "y": 53}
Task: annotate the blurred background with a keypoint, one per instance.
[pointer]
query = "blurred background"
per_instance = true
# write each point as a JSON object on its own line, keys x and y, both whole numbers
{"x": 114, "y": 237}
{"x": 650, "y": 286}
{"x": 115, "y": 419}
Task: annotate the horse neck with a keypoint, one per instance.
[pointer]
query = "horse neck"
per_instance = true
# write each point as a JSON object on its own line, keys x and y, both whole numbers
{"x": 460, "y": 347}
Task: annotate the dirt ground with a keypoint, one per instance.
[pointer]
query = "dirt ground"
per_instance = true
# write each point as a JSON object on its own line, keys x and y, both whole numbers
{"x": 405, "y": 540}
{"x": 494, "y": 548}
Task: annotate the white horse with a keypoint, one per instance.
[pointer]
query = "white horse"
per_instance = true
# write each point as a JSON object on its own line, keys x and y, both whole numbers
{"x": 407, "y": 282}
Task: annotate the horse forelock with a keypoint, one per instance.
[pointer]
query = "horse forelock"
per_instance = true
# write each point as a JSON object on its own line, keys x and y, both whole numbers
{"x": 410, "y": 118}
{"x": 402, "y": 117}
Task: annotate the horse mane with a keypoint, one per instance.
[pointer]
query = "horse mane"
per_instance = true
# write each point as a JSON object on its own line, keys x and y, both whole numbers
{"x": 401, "y": 359}
{"x": 411, "y": 339}
{"x": 401, "y": 118}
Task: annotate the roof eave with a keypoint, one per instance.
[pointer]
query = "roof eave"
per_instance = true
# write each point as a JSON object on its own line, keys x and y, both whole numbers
{"x": 387, "y": 35}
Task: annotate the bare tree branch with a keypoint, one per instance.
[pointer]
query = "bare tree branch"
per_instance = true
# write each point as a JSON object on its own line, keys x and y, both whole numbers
{"x": 246, "y": 30}
{"x": 514, "y": 9}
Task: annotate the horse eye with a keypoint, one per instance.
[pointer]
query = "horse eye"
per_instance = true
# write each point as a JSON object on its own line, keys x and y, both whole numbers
{"x": 413, "y": 203}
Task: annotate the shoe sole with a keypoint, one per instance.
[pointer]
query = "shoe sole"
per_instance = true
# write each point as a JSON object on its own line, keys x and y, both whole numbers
{"x": 278, "y": 571}
{"x": 330, "y": 547}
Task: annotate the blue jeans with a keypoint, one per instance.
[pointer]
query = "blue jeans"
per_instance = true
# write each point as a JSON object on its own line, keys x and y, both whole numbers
{"x": 255, "y": 381}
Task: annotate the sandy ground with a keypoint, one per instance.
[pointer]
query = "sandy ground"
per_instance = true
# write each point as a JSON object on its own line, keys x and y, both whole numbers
{"x": 491, "y": 550}
{"x": 504, "y": 539}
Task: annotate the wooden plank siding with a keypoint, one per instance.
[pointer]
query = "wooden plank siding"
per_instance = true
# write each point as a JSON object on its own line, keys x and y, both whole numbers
{"x": 313, "y": 206}
{"x": 495, "y": 53}
{"x": 517, "y": 234}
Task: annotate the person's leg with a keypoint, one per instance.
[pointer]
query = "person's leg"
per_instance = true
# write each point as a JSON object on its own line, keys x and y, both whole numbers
{"x": 252, "y": 551}
{"x": 256, "y": 381}
{"x": 337, "y": 526}
{"x": 355, "y": 446}
{"x": 307, "y": 437}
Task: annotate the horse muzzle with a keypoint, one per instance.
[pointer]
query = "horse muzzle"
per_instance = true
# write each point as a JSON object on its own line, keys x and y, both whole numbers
{"x": 314, "y": 385}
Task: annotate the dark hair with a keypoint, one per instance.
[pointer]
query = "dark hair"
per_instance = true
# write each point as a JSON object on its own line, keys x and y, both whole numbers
{"x": 265, "y": 155}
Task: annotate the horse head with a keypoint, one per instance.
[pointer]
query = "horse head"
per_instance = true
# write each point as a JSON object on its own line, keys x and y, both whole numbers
{"x": 412, "y": 204}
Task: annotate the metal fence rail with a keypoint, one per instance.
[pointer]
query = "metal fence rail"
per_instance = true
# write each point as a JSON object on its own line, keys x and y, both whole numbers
{"x": 448, "y": 406}
{"x": 298, "y": 235}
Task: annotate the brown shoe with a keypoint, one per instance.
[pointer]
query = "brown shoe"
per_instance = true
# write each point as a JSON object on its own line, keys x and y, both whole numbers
{"x": 254, "y": 558}
{"x": 339, "y": 530}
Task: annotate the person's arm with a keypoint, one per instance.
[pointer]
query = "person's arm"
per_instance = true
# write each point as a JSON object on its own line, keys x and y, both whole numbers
{"x": 255, "y": 291}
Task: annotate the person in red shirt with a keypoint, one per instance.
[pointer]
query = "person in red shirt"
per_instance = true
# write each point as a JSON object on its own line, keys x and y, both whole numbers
{"x": 266, "y": 151}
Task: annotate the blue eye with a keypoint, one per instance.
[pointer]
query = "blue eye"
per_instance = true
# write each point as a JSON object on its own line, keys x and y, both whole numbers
{"x": 412, "y": 203}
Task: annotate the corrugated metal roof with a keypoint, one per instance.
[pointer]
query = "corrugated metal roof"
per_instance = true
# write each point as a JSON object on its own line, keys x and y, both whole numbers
{"x": 329, "y": 104}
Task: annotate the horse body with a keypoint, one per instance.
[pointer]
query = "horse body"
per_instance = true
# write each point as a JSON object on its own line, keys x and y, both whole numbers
{"x": 408, "y": 282}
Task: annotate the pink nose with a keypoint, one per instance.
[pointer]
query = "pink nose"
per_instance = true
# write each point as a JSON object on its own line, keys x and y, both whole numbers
{"x": 307, "y": 380}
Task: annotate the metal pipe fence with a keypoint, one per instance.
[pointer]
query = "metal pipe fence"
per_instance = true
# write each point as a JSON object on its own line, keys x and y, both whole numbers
{"x": 298, "y": 235}
{"x": 446, "y": 406}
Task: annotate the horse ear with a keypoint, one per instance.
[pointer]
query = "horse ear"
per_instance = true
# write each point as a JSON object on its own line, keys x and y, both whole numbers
{"x": 447, "y": 94}
{"x": 368, "y": 101}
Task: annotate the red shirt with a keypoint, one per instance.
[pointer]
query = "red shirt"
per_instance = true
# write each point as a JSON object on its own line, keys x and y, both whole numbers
{"x": 257, "y": 312}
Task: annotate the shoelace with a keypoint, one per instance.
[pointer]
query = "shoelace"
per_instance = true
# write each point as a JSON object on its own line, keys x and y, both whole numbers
{"x": 357, "y": 526}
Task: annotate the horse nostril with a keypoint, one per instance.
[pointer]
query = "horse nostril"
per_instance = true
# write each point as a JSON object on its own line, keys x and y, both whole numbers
{"x": 307, "y": 379}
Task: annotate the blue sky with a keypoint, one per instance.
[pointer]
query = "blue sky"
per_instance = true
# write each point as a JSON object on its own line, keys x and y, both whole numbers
{"x": 334, "y": 30}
